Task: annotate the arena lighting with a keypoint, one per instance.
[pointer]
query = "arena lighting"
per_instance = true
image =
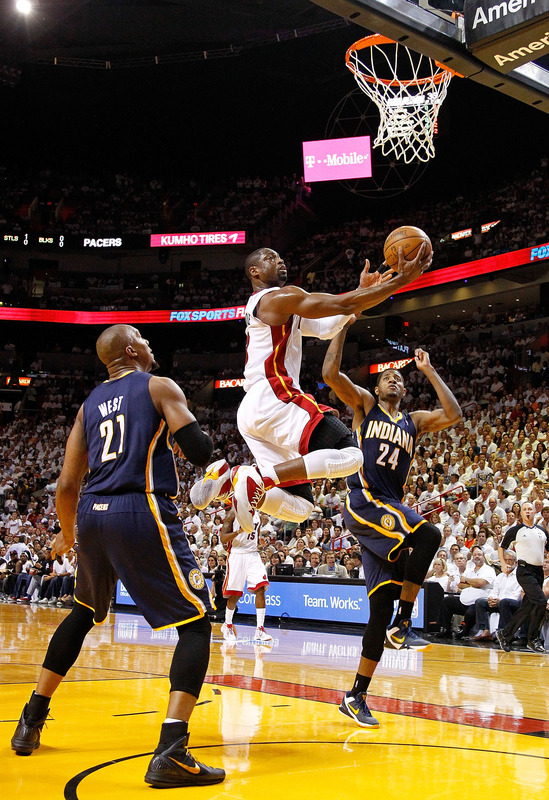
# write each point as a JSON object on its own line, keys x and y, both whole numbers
{"x": 460, "y": 272}
{"x": 129, "y": 317}
{"x": 24, "y": 6}
{"x": 483, "y": 266}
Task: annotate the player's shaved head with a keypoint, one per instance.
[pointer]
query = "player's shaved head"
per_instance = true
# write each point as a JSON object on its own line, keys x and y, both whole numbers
{"x": 112, "y": 343}
{"x": 253, "y": 258}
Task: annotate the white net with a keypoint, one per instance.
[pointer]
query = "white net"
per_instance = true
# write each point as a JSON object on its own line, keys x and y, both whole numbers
{"x": 408, "y": 89}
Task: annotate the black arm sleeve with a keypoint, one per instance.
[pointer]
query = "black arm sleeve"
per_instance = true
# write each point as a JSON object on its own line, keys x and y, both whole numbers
{"x": 197, "y": 446}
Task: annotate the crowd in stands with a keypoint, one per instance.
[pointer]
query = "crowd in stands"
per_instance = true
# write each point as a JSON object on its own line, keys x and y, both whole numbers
{"x": 101, "y": 205}
{"x": 328, "y": 259}
{"x": 471, "y": 479}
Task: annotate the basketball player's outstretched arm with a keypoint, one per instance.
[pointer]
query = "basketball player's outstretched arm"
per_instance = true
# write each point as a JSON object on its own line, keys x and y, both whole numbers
{"x": 440, "y": 418}
{"x": 359, "y": 399}
{"x": 276, "y": 307}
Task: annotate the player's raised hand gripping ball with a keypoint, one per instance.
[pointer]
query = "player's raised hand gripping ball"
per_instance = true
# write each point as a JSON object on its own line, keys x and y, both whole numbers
{"x": 410, "y": 239}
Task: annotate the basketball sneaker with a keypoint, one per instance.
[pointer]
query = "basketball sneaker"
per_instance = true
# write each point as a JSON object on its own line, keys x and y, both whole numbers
{"x": 402, "y": 637}
{"x": 248, "y": 492}
{"x": 357, "y": 709}
{"x": 261, "y": 635}
{"x": 229, "y": 632}
{"x": 175, "y": 766}
{"x": 26, "y": 738}
{"x": 216, "y": 483}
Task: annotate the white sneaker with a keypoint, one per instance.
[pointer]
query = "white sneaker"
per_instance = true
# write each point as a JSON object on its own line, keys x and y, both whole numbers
{"x": 248, "y": 492}
{"x": 43, "y": 602}
{"x": 229, "y": 632}
{"x": 215, "y": 483}
{"x": 52, "y": 601}
{"x": 261, "y": 635}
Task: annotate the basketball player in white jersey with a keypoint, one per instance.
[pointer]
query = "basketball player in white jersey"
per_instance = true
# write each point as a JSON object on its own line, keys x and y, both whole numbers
{"x": 293, "y": 440}
{"x": 243, "y": 565}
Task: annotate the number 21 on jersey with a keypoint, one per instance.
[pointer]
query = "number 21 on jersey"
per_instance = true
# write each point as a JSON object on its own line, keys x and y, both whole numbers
{"x": 106, "y": 429}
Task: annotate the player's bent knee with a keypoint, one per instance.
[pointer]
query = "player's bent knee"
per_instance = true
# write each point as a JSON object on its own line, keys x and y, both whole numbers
{"x": 349, "y": 460}
{"x": 332, "y": 463}
{"x": 286, "y": 506}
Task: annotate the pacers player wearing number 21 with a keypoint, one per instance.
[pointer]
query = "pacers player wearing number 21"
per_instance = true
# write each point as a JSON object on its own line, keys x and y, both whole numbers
{"x": 397, "y": 544}
{"x": 244, "y": 565}
{"x": 128, "y": 527}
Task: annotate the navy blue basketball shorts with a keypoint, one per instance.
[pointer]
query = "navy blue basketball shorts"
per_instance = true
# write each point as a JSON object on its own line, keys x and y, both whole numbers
{"x": 381, "y": 527}
{"x": 138, "y": 538}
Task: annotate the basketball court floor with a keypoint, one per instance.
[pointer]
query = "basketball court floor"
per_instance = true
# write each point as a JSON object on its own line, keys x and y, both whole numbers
{"x": 454, "y": 721}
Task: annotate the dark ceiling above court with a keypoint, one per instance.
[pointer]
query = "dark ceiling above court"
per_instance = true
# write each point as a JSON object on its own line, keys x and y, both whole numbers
{"x": 111, "y": 29}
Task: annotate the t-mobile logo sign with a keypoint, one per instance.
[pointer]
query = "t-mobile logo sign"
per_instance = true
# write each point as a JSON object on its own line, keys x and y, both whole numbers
{"x": 337, "y": 159}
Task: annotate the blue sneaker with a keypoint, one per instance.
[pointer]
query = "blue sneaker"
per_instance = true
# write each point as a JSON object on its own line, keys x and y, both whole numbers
{"x": 402, "y": 637}
{"x": 357, "y": 709}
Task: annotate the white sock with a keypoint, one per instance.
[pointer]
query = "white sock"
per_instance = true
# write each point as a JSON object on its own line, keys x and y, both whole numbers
{"x": 260, "y": 612}
{"x": 171, "y": 719}
{"x": 229, "y": 614}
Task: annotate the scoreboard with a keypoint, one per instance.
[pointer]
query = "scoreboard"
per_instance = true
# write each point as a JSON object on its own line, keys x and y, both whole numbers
{"x": 131, "y": 241}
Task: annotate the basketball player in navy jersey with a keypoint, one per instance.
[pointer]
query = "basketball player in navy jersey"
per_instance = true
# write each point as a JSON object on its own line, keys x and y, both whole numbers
{"x": 128, "y": 527}
{"x": 293, "y": 440}
{"x": 398, "y": 545}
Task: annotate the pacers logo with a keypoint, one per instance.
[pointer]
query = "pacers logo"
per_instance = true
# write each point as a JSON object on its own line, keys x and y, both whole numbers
{"x": 196, "y": 579}
{"x": 388, "y": 522}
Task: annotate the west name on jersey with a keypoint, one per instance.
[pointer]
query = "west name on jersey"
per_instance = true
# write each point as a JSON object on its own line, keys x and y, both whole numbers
{"x": 110, "y": 406}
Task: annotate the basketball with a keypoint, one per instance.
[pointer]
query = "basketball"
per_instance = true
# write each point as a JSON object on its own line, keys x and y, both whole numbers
{"x": 409, "y": 238}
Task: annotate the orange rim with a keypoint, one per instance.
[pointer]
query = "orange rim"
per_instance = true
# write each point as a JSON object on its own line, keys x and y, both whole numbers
{"x": 378, "y": 39}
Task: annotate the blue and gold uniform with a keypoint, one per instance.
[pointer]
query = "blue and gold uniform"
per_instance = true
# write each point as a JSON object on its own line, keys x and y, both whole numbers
{"x": 374, "y": 512}
{"x": 128, "y": 526}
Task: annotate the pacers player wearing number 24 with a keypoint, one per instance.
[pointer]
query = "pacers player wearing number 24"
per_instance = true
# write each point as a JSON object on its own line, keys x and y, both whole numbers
{"x": 128, "y": 527}
{"x": 387, "y": 530}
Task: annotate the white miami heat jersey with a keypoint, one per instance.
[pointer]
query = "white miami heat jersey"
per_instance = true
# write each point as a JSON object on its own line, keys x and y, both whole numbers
{"x": 246, "y": 542}
{"x": 273, "y": 352}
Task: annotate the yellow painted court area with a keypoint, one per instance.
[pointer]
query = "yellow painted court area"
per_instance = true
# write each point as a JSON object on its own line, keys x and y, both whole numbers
{"x": 454, "y": 721}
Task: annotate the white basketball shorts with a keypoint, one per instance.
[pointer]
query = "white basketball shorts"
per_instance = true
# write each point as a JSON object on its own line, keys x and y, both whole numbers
{"x": 274, "y": 430}
{"x": 244, "y": 568}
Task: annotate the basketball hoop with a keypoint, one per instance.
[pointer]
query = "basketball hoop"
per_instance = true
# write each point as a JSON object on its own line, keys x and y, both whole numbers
{"x": 408, "y": 102}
